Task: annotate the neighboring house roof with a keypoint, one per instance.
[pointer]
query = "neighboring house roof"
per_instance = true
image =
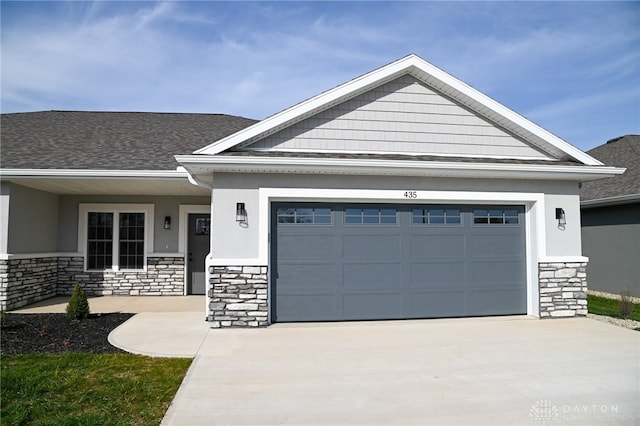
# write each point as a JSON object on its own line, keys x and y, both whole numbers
{"x": 619, "y": 152}
{"x": 107, "y": 140}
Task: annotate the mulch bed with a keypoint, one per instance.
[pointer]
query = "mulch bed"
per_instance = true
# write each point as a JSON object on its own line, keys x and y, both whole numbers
{"x": 55, "y": 333}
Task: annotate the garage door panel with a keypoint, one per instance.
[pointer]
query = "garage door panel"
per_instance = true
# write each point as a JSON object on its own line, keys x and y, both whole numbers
{"x": 497, "y": 272}
{"x": 497, "y": 302}
{"x": 371, "y": 246}
{"x": 308, "y": 278}
{"x": 437, "y": 275}
{"x": 306, "y": 246}
{"x": 372, "y": 306}
{"x": 436, "y": 245}
{"x": 437, "y": 304}
{"x": 423, "y": 266}
{"x": 373, "y": 277}
{"x": 496, "y": 245}
{"x": 316, "y": 307}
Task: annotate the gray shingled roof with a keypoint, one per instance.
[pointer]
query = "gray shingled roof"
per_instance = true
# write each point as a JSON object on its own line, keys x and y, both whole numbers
{"x": 620, "y": 152}
{"x": 108, "y": 140}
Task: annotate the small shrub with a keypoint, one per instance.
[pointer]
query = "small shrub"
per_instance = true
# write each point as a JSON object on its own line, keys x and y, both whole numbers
{"x": 626, "y": 304}
{"x": 78, "y": 307}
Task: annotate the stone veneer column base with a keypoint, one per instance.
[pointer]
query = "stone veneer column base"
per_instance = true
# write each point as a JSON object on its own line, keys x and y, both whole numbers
{"x": 26, "y": 281}
{"x": 238, "y": 296}
{"x": 563, "y": 289}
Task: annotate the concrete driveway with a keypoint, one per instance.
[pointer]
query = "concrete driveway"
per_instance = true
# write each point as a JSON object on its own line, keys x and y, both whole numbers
{"x": 480, "y": 371}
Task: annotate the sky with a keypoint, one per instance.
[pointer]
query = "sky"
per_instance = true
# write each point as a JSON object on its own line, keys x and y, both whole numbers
{"x": 571, "y": 67}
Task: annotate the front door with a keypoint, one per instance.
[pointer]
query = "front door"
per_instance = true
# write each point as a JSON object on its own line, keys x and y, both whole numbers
{"x": 198, "y": 246}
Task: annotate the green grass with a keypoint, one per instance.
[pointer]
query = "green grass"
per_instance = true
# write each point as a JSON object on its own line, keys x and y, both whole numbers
{"x": 609, "y": 307}
{"x": 86, "y": 389}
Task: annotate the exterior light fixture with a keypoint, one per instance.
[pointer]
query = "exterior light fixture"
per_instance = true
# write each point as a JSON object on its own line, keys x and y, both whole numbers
{"x": 241, "y": 213}
{"x": 167, "y": 222}
{"x": 561, "y": 217}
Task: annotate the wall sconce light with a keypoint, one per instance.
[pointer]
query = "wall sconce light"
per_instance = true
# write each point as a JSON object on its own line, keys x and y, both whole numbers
{"x": 167, "y": 222}
{"x": 561, "y": 217}
{"x": 241, "y": 213}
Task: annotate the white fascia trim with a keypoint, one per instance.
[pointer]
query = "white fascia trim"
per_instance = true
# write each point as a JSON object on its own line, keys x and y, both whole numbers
{"x": 413, "y": 65}
{"x": 84, "y": 174}
{"x": 394, "y": 167}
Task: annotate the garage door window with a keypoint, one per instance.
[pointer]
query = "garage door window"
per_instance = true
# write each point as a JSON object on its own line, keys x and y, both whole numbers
{"x": 495, "y": 217}
{"x": 436, "y": 216}
{"x": 370, "y": 216}
{"x": 309, "y": 216}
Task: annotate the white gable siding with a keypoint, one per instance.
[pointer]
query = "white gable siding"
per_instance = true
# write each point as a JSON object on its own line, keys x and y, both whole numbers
{"x": 402, "y": 116}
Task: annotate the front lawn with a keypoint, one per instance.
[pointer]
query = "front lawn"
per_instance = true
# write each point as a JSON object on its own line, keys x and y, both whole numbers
{"x": 88, "y": 389}
{"x": 609, "y": 307}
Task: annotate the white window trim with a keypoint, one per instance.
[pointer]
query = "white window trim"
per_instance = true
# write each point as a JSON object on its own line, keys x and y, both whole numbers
{"x": 116, "y": 209}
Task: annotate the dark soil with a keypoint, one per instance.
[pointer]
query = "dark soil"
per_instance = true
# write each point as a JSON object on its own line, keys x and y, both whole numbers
{"x": 55, "y": 333}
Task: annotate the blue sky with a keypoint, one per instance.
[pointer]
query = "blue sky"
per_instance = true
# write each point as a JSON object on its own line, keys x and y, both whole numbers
{"x": 571, "y": 67}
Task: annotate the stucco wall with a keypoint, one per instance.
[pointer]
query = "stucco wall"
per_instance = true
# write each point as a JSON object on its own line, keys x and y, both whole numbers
{"x": 165, "y": 240}
{"x": 230, "y": 240}
{"x": 33, "y": 219}
{"x": 611, "y": 240}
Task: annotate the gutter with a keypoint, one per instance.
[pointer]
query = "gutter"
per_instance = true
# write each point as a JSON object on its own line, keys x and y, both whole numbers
{"x": 194, "y": 180}
{"x": 84, "y": 174}
{"x": 250, "y": 164}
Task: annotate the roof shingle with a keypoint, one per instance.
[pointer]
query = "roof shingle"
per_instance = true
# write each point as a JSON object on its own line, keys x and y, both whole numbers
{"x": 108, "y": 140}
{"x": 620, "y": 152}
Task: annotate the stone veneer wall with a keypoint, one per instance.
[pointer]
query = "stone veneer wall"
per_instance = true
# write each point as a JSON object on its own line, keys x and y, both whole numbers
{"x": 238, "y": 296}
{"x": 563, "y": 289}
{"x": 25, "y": 281}
{"x": 164, "y": 276}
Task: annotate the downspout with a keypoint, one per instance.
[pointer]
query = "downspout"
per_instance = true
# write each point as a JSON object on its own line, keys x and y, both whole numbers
{"x": 209, "y": 259}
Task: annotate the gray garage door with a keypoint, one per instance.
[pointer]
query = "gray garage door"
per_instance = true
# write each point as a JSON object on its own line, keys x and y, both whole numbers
{"x": 362, "y": 262}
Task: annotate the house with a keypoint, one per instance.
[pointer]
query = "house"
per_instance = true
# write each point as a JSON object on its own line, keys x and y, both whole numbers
{"x": 610, "y": 211}
{"x": 403, "y": 193}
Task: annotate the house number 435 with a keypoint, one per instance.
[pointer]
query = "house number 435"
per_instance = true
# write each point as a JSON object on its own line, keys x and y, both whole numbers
{"x": 410, "y": 194}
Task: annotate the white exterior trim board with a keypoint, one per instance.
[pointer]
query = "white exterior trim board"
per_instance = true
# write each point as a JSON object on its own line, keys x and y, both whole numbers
{"x": 395, "y": 167}
{"x": 534, "y": 218}
{"x": 84, "y": 174}
{"x": 147, "y": 209}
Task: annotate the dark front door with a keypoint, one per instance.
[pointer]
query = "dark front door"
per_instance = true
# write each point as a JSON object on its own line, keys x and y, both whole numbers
{"x": 198, "y": 246}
